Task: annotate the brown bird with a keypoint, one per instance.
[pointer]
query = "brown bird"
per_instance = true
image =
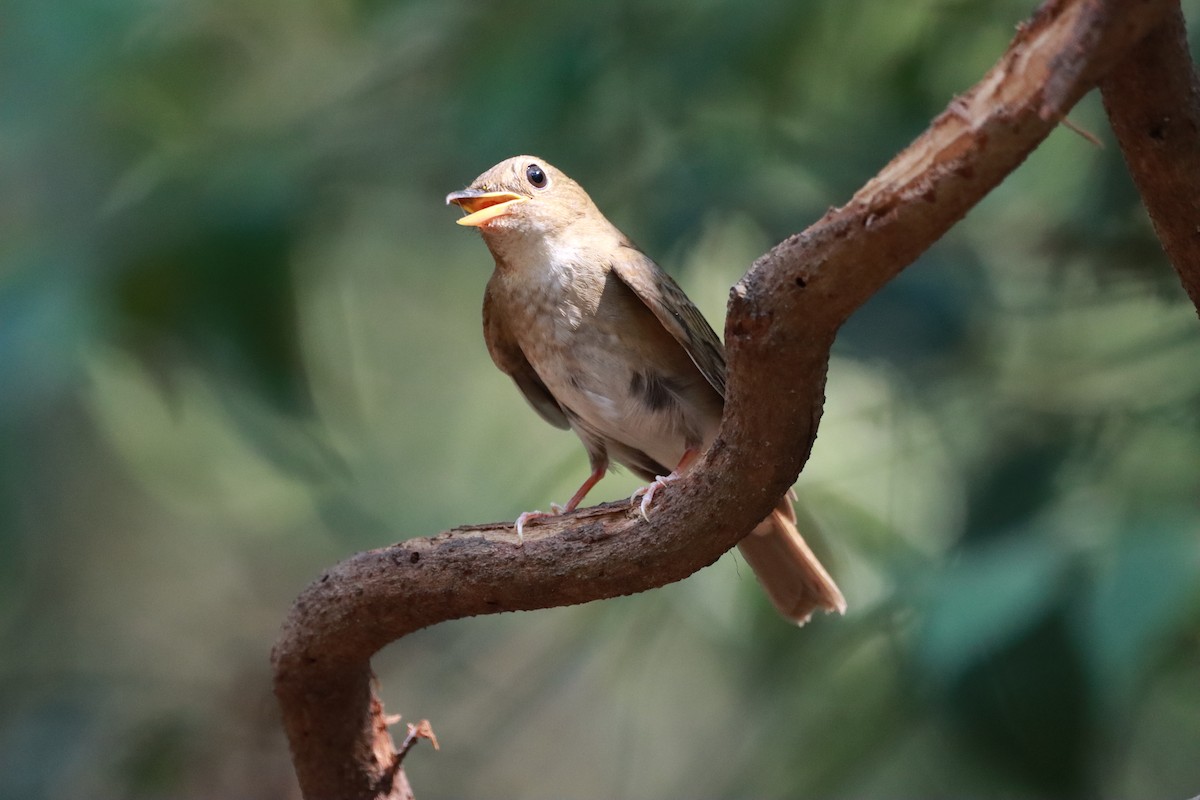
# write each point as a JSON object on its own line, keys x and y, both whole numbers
{"x": 600, "y": 340}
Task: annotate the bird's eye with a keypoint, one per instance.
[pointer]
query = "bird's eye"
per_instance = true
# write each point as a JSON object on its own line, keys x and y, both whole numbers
{"x": 536, "y": 176}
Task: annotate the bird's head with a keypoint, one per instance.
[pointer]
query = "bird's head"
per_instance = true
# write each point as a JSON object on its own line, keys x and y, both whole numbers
{"x": 523, "y": 197}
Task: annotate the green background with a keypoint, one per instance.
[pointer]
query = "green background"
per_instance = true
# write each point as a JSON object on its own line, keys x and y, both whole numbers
{"x": 240, "y": 340}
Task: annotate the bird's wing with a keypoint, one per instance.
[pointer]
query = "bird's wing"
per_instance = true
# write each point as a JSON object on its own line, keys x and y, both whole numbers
{"x": 674, "y": 311}
{"x": 511, "y": 360}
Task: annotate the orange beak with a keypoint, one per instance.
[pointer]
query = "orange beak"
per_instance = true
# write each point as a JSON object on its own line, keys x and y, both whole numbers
{"x": 482, "y": 207}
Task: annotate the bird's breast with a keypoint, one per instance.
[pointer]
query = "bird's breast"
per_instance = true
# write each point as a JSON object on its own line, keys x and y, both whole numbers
{"x": 609, "y": 363}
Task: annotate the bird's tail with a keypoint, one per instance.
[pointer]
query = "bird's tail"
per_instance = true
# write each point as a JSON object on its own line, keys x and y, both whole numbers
{"x": 785, "y": 566}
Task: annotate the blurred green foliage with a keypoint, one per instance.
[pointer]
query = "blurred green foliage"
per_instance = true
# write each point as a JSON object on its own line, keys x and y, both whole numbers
{"x": 239, "y": 339}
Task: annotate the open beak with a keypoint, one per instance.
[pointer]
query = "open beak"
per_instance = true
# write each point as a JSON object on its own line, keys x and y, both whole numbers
{"x": 483, "y": 206}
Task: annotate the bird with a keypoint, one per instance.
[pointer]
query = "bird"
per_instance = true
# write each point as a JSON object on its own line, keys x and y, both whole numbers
{"x": 600, "y": 340}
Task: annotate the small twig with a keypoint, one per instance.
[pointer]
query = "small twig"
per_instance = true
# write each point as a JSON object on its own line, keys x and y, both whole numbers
{"x": 1083, "y": 132}
{"x": 422, "y": 730}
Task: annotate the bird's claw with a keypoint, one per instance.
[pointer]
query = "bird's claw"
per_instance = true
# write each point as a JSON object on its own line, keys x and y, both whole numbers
{"x": 555, "y": 510}
{"x": 647, "y": 492}
{"x": 522, "y": 519}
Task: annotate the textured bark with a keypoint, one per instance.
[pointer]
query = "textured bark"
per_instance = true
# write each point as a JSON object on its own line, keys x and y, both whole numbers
{"x": 783, "y": 316}
{"x": 1153, "y": 103}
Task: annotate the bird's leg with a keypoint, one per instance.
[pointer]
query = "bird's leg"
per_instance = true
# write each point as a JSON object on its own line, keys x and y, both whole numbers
{"x": 598, "y": 471}
{"x": 647, "y": 491}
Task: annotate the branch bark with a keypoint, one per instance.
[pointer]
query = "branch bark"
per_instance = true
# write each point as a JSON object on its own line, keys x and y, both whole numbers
{"x": 782, "y": 320}
{"x": 1153, "y": 103}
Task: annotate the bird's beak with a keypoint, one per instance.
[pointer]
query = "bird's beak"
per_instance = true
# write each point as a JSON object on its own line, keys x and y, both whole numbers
{"x": 483, "y": 206}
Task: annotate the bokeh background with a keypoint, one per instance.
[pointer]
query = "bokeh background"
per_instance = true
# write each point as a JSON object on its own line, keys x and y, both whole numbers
{"x": 240, "y": 340}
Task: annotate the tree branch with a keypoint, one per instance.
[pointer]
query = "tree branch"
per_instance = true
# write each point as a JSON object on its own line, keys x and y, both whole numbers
{"x": 783, "y": 318}
{"x": 1153, "y": 103}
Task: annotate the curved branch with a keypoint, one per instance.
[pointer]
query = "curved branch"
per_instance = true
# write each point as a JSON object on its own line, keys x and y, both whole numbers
{"x": 783, "y": 318}
{"x": 1153, "y": 103}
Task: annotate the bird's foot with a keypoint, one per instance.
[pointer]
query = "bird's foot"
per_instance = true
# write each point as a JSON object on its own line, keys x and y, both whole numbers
{"x": 555, "y": 510}
{"x": 647, "y": 492}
